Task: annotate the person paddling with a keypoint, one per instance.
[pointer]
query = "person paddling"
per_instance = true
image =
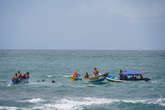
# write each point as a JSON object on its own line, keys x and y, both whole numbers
{"x": 95, "y": 71}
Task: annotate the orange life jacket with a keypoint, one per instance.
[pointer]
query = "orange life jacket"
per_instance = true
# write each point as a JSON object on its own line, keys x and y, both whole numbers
{"x": 96, "y": 72}
{"x": 14, "y": 77}
{"x": 75, "y": 74}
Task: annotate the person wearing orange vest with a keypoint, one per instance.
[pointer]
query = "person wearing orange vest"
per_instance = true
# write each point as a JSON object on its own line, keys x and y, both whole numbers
{"x": 96, "y": 72}
{"x": 15, "y": 76}
{"x": 75, "y": 74}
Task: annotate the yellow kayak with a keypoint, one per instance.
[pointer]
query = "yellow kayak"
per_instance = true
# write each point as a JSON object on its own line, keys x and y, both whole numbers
{"x": 75, "y": 78}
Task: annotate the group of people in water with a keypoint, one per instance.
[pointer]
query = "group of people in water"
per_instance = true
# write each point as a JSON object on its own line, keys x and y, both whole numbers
{"x": 19, "y": 76}
{"x": 95, "y": 72}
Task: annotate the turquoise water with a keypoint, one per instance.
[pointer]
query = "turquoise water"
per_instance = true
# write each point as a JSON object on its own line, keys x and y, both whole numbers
{"x": 67, "y": 95}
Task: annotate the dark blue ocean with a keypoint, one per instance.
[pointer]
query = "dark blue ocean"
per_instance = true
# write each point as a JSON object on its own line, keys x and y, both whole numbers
{"x": 65, "y": 94}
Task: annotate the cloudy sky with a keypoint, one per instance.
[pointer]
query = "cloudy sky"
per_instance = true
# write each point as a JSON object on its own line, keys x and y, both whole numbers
{"x": 82, "y": 24}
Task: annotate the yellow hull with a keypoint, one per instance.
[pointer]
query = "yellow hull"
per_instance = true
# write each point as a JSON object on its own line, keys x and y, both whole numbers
{"x": 73, "y": 79}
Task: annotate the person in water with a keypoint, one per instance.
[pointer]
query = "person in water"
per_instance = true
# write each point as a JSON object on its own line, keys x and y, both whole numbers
{"x": 86, "y": 75}
{"x": 53, "y": 81}
{"x": 95, "y": 71}
{"x": 75, "y": 74}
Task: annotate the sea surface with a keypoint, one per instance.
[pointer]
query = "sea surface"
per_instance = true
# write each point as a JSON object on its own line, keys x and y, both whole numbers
{"x": 65, "y": 94}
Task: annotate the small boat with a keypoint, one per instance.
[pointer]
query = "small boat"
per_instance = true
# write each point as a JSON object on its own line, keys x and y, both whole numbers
{"x": 133, "y": 76}
{"x": 75, "y": 78}
{"x": 18, "y": 80}
{"x": 98, "y": 78}
{"x": 113, "y": 78}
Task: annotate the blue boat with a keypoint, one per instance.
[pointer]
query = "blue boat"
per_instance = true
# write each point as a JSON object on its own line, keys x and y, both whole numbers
{"x": 18, "y": 80}
{"x": 98, "y": 78}
{"x": 113, "y": 78}
{"x": 133, "y": 76}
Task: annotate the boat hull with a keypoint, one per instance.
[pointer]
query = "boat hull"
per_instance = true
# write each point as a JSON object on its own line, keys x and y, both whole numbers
{"x": 75, "y": 78}
{"x": 99, "y": 78}
{"x": 113, "y": 78}
{"x": 18, "y": 81}
{"x": 144, "y": 79}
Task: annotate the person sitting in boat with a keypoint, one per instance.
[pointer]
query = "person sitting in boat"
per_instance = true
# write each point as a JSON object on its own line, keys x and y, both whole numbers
{"x": 75, "y": 74}
{"x": 15, "y": 76}
{"x": 95, "y": 71}
{"x": 26, "y": 75}
{"x": 19, "y": 75}
{"x": 125, "y": 77}
{"x": 86, "y": 75}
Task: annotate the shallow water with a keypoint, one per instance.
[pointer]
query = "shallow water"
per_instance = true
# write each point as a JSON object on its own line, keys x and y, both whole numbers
{"x": 80, "y": 95}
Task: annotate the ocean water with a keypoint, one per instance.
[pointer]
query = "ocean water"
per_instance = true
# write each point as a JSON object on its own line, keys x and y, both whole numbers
{"x": 80, "y": 95}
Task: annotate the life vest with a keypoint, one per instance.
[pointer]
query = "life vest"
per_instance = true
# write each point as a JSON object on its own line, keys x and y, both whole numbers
{"x": 96, "y": 72}
{"x": 14, "y": 77}
{"x": 75, "y": 74}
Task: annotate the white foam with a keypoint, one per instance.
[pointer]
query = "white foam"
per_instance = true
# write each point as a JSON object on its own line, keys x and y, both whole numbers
{"x": 78, "y": 103}
{"x": 49, "y": 76}
{"x": 13, "y": 108}
{"x": 67, "y": 76}
{"x": 8, "y": 108}
{"x": 154, "y": 81}
{"x": 9, "y": 84}
{"x": 34, "y": 100}
{"x": 68, "y": 104}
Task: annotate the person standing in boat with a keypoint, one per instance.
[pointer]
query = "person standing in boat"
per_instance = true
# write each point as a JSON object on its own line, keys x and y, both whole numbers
{"x": 95, "y": 71}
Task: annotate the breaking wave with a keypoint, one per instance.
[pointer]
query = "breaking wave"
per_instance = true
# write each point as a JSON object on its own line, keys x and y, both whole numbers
{"x": 73, "y": 104}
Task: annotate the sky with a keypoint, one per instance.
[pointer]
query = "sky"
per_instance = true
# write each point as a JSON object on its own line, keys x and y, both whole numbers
{"x": 82, "y": 24}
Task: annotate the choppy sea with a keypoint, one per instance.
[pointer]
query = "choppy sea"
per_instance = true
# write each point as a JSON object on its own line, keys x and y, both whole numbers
{"x": 65, "y": 94}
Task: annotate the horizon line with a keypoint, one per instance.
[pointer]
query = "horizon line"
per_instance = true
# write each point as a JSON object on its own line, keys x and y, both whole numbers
{"x": 94, "y": 49}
